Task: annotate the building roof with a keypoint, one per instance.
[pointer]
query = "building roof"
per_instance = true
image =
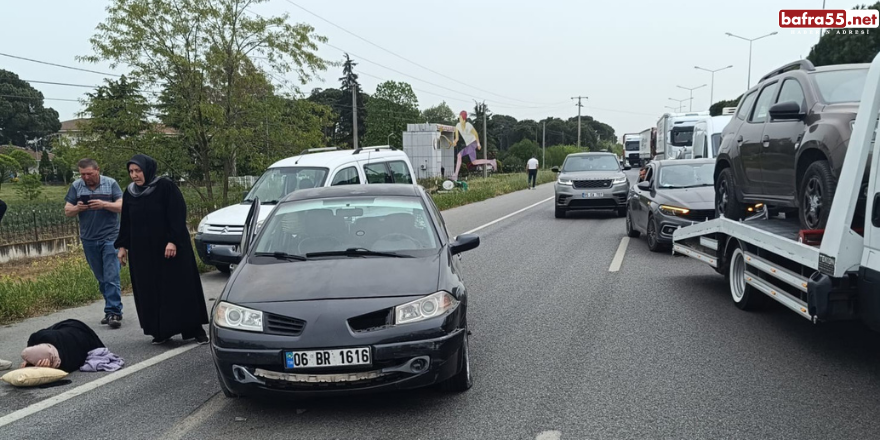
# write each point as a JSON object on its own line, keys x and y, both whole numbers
{"x": 72, "y": 125}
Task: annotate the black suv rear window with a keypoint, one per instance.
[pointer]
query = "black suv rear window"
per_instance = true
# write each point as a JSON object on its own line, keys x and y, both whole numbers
{"x": 841, "y": 85}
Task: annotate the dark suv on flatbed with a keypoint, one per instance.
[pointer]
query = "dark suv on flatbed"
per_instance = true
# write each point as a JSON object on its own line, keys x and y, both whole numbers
{"x": 786, "y": 143}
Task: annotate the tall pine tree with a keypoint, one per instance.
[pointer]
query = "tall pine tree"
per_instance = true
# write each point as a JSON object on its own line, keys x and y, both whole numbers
{"x": 349, "y": 82}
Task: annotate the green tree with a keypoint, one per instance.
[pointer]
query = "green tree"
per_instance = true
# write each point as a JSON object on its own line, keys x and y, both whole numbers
{"x": 838, "y": 46}
{"x": 202, "y": 55}
{"x": 25, "y": 161}
{"x": 330, "y": 98}
{"x": 716, "y": 108}
{"x": 62, "y": 170}
{"x": 22, "y": 115}
{"x": 389, "y": 110}
{"x": 45, "y": 166}
{"x": 29, "y": 187}
{"x": 524, "y": 150}
{"x": 439, "y": 114}
{"x": 349, "y": 82}
{"x": 8, "y": 168}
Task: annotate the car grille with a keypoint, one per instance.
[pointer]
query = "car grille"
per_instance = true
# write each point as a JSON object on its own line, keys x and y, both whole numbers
{"x": 593, "y": 203}
{"x": 700, "y": 214}
{"x": 224, "y": 229}
{"x": 283, "y": 325}
{"x": 319, "y": 386}
{"x": 591, "y": 183}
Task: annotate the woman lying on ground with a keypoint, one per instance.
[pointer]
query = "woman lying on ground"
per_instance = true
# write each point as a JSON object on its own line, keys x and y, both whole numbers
{"x": 65, "y": 346}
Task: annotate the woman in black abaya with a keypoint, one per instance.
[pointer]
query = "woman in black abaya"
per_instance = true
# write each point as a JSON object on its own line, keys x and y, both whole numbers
{"x": 154, "y": 238}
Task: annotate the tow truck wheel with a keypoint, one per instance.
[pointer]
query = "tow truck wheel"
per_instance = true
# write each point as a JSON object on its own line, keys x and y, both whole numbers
{"x": 744, "y": 296}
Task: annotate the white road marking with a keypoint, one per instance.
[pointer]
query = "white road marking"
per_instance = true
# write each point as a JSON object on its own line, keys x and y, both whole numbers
{"x": 198, "y": 417}
{"x": 549, "y": 435}
{"x": 507, "y": 216}
{"x": 618, "y": 257}
{"x": 82, "y": 389}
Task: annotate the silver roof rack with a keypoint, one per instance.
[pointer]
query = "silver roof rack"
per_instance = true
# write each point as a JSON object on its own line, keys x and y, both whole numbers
{"x": 797, "y": 65}
{"x": 374, "y": 148}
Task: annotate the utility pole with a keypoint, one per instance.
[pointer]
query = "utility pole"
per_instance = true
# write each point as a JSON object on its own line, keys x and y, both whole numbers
{"x": 354, "y": 115}
{"x": 485, "y": 144}
{"x": 544, "y": 146}
{"x": 579, "y": 117}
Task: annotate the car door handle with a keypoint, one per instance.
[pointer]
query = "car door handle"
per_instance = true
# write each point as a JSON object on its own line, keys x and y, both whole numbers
{"x": 766, "y": 141}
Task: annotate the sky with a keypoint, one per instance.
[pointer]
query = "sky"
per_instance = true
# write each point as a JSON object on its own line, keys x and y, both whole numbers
{"x": 523, "y": 59}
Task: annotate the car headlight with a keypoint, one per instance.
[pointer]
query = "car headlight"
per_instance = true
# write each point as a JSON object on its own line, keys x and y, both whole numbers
{"x": 202, "y": 224}
{"x": 238, "y": 318}
{"x": 673, "y": 210}
{"x": 562, "y": 181}
{"x": 428, "y": 307}
{"x": 619, "y": 180}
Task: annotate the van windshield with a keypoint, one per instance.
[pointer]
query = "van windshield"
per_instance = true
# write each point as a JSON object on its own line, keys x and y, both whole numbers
{"x": 276, "y": 183}
{"x": 682, "y": 136}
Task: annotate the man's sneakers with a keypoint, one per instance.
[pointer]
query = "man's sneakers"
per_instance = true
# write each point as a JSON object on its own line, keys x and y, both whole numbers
{"x": 114, "y": 321}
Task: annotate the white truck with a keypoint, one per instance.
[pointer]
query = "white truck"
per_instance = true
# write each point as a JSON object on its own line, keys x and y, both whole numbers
{"x": 631, "y": 148}
{"x": 823, "y": 276}
{"x": 647, "y": 145}
{"x": 675, "y": 132}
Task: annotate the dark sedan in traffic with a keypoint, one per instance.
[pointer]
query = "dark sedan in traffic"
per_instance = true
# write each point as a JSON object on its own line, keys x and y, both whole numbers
{"x": 344, "y": 289}
{"x": 673, "y": 193}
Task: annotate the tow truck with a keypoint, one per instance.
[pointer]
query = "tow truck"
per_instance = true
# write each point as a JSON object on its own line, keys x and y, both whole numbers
{"x": 822, "y": 275}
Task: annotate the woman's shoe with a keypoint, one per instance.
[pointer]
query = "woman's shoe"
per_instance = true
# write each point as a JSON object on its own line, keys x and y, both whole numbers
{"x": 157, "y": 341}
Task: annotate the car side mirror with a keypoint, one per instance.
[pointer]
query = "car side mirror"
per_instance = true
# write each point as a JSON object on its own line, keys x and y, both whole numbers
{"x": 627, "y": 167}
{"x": 464, "y": 243}
{"x": 786, "y": 110}
{"x": 226, "y": 255}
{"x": 555, "y": 169}
{"x": 645, "y": 185}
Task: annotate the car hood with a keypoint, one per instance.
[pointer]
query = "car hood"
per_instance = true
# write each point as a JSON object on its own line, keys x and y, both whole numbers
{"x": 235, "y": 215}
{"x": 335, "y": 278}
{"x": 691, "y": 198}
{"x": 591, "y": 175}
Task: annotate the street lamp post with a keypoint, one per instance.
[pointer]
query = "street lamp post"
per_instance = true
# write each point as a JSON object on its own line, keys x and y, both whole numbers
{"x": 691, "y": 89}
{"x": 750, "y": 40}
{"x": 712, "y": 88}
{"x": 679, "y": 101}
{"x": 389, "y": 139}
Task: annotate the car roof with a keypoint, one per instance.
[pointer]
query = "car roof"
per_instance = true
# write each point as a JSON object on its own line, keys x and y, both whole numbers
{"x": 830, "y": 67}
{"x": 593, "y": 153}
{"x": 366, "y": 190}
{"x": 332, "y": 159}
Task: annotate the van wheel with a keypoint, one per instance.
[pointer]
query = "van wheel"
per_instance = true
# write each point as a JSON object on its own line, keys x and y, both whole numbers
{"x": 223, "y": 268}
{"x": 744, "y": 296}
{"x": 816, "y": 193}
{"x": 726, "y": 202}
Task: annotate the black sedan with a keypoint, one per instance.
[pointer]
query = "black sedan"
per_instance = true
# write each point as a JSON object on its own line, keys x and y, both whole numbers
{"x": 673, "y": 193}
{"x": 344, "y": 289}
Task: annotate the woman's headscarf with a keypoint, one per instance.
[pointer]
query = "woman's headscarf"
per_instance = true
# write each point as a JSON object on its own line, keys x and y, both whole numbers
{"x": 148, "y": 165}
{"x": 34, "y": 354}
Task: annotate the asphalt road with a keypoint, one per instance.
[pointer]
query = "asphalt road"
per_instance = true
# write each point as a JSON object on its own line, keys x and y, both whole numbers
{"x": 561, "y": 348}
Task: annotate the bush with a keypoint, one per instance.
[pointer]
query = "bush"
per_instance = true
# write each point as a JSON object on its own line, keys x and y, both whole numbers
{"x": 30, "y": 187}
{"x": 484, "y": 189}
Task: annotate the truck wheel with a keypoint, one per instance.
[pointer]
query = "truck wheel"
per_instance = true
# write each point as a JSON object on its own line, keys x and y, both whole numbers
{"x": 816, "y": 192}
{"x": 725, "y": 197}
{"x": 630, "y": 231}
{"x": 744, "y": 296}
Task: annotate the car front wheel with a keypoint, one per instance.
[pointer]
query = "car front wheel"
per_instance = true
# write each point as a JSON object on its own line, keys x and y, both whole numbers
{"x": 463, "y": 380}
{"x": 726, "y": 202}
{"x": 630, "y": 230}
{"x": 816, "y": 192}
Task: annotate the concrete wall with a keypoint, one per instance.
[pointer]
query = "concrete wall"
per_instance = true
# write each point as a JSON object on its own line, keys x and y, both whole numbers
{"x": 42, "y": 248}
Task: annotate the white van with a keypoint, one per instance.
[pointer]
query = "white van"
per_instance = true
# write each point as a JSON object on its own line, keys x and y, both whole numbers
{"x": 314, "y": 168}
{"x": 707, "y": 136}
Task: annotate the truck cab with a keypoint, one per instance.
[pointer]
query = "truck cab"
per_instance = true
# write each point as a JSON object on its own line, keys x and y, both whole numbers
{"x": 631, "y": 149}
{"x": 675, "y": 133}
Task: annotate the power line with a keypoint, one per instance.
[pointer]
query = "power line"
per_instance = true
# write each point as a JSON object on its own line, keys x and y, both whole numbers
{"x": 37, "y": 98}
{"x": 405, "y": 59}
{"x": 59, "y": 65}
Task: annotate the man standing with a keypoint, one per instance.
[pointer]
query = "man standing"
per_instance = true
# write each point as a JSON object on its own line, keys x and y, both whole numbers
{"x": 471, "y": 139}
{"x": 532, "y": 168}
{"x": 97, "y": 200}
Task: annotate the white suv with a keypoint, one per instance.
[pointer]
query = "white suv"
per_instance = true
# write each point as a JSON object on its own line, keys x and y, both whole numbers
{"x": 314, "y": 168}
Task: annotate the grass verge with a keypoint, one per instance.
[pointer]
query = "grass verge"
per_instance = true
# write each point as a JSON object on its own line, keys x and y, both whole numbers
{"x": 49, "y": 284}
{"x": 480, "y": 189}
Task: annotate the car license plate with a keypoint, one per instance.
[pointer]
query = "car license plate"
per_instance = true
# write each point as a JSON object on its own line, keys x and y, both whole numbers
{"x": 588, "y": 195}
{"x": 342, "y": 357}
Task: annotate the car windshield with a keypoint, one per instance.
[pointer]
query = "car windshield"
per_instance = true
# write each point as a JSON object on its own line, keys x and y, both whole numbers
{"x": 687, "y": 175}
{"x": 604, "y": 162}
{"x": 276, "y": 183}
{"x": 841, "y": 85}
{"x": 380, "y": 224}
{"x": 716, "y": 144}
{"x": 632, "y": 146}
{"x": 682, "y": 137}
